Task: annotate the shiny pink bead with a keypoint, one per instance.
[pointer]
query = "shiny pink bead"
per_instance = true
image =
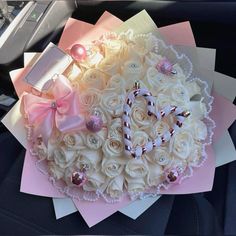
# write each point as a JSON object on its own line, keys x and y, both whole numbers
{"x": 165, "y": 67}
{"x": 78, "y": 178}
{"x": 172, "y": 176}
{"x": 78, "y": 52}
{"x": 94, "y": 123}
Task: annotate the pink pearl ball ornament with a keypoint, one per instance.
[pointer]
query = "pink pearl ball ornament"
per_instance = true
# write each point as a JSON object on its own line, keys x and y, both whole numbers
{"x": 78, "y": 52}
{"x": 78, "y": 178}
{"x": 94, "y": 123}
{"x": 165, "y": 67}
{"x": 172, "y": 176}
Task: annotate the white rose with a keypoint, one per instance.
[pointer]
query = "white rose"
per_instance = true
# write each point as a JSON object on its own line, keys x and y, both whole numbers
{"x": 95, "y": 140}
{"x": 112, "y": 167}
{"x": 116, "y": 48}
{"x": 132, "y": 70}
{"x": 116, "y": 129}
{"x": 115, "y": 187}
{"x": 159, "y": 156}
{"x": 89, "y": 98}
{"x": 139, "y": 138}
{"x": 181, "y": 144}
{"x": 196, "y": 155}
{"x": 163, "y": 100}
{"x": 55, "y": 171}
{"x": 179, "y": 73}
{"x": 155, "y": 175}
{"x": 144, "y": 45}
{"x": 93, "y": 58}
{"x": 93, "y": 78}
{"x": 193, "y": 88}
{"x": 113, "y": 147}
{"x": 112, "y": 102}
{"x": 159, "y": 128}
{"x": 136, "y": 168}
{"x": 116, "y": 82}
{"x": 179, "y": 94}
{"x": 153, "y": 80}
{"x": 199, "y": 129}
{"x": 139, "y": 117}
{"x": 95, "y": 181}
{"x": 135, "y": 185}
{"x": 198, "y": 109}
{"x": 63, "y": 157}
{"x": 109, "y": 65}
{"x": 73, "y": 141}
{"x": 89, "y": 160}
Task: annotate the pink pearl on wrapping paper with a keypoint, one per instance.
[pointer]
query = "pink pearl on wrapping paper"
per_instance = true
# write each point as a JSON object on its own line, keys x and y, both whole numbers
{"x": 94, "y": 123}
{"x": 78, "y": 178}
{"x": 78, "y": 52}
{"x": 165, "y": 67}
{"x": 172, "y": 176}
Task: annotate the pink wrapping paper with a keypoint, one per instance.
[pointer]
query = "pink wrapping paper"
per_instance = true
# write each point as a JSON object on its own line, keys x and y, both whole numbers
{"x": 32, "y": 178}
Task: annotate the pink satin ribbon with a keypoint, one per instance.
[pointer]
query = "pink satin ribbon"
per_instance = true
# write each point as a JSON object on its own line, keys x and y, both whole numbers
{"x": 61, "y": 112}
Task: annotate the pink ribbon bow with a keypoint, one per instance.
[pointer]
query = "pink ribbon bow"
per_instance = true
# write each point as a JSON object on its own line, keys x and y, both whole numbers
{"x": 61, "y": 111}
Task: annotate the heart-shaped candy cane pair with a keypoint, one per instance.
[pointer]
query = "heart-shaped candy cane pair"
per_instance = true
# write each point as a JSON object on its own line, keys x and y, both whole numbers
{"x": 138, "y": 151}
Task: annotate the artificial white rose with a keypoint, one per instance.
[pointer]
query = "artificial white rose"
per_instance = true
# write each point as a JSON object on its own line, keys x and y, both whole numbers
{"x": 155, "y": 175}
{"x": 135, "y": 185}
{"x": 179, "y": 94}
{"x": 117, "y": 82}
{"x": 112, "y": 167}
{"x": 132, "y": 70}
{"x": 109, "y": 65}
{"x": 198, "y": 109}
{"x": 95, "y": 140}
{"x": 179, "y": 73}
{"x": 116, "y": 129}
{"x": 55, "y": 171}
{"x": 112, "y": 102}
{"x": 136, "y": 168}
{"x": 139, "y": 118}
{"x": 63, "y": 157}
{"x": 193, "y": 88}
{"x": 139, "y": 138}
{"x": 88, "y": 160}
{"x": 181, "y": 144}
{"x": 159, "y": 128}
{"x": 113, "y": 147}
{"x": 153, "y": 80}
{"x": 93, "y": 78}
{"x": 73, "y": 141}
{"x": 115, "y": 187}
{"x": 196, "y": 155}
{"x": 116, "y": 48}
{"x": 143, "y": 45}
{"x": 199, "y": 129}
{"x": 163, "y": 100}
{"x": 95, "y": 181}
{"x": 89, "y": 98}
{"x": 160, "y": 156}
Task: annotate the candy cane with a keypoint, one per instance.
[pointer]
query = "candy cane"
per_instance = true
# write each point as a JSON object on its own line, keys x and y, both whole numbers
{"x": 138, "y": 151}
